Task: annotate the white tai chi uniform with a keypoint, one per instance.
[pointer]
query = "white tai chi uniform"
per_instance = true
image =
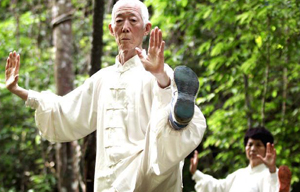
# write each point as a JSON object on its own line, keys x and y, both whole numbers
{"x": 257, "y": 179}
{"x": 137, "y": 150}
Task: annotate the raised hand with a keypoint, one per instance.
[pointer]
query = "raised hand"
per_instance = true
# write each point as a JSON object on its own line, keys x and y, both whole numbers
{"x": 12, "y": 76}
{"x": 12, "y": 71}
{"x": 270, "y": 158}
{"x": 194, "y": 162}
{"x": 154, "y": 60}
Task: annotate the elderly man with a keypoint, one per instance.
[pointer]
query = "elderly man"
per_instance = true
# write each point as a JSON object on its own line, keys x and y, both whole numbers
{"x": 260, "y": 176}
{"x": 144, "y": 113}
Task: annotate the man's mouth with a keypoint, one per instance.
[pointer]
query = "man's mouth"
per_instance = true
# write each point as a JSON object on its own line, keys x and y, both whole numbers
{"x": 253, "y": 154}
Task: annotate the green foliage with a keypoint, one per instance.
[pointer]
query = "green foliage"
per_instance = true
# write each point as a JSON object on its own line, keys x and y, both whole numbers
{"x": 227, "y": 43}
{"x": 224, "y": 42}
{"x": 22, "y": 167}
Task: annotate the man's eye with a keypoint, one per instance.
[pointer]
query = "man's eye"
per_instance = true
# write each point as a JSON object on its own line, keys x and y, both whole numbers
{"x": 119, "y": 21}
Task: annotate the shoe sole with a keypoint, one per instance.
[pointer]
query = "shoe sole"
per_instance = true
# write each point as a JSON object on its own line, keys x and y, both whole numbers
{"x": 284, "y": 176}
{"x": 187, "y": 86}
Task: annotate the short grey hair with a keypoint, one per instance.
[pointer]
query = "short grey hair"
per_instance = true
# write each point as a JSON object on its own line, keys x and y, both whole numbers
{"x": 143, "y": 7}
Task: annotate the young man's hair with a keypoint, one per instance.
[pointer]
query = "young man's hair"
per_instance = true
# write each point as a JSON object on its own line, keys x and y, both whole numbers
{"x": 259, "y": 133}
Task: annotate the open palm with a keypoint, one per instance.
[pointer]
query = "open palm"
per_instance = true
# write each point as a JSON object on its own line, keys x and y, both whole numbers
{"x": 12, "y": 71}
{"x": 270, "y": 158}
{"x": 153, "y": 61}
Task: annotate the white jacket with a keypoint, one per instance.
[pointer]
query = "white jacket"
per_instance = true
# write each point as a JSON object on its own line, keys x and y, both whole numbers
{"x": 137, "y": 150}
{"x": 257, "y": 179}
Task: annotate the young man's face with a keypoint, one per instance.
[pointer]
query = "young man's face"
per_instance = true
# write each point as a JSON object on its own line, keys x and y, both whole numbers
{"x": 253, "y": 148}
{"x": 128, "y": 28}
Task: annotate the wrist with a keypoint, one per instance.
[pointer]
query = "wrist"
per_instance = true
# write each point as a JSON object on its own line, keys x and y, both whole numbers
{"x": 13, "y": 89}
{"x": 272, "y": 169}
{"x": 163, "y": 79}
{"x": 20, "y": 92}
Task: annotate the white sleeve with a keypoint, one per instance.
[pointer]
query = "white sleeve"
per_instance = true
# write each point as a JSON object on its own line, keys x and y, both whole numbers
{"x": 269, "y": 182}
{"x": 206, "y": 182}
{"x": 67, "y": 118}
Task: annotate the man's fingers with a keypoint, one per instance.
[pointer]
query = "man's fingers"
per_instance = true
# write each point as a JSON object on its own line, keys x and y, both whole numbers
{"x": 191, "y": 161}
{"x": 151, "y": 41}
{"x": 260, "y": 157}
{"x": 156, "y": 37}
{"x": 272, "y": 148}
{"x": 10, "y": 57}
{"x": 159, "y": 36}
{"x": 196, "y": 153}
{"x": 162, "y": 48}
{"x": 196, "y": 158}
{"x": 7, "y": 63}
{"x": 139, "y": 53}
{"x": 268, "y": 148}
{"x": 18, "y": 64}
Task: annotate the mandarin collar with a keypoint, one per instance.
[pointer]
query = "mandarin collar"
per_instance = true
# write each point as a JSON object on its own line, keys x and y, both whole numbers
{"x": 131, "y": 63}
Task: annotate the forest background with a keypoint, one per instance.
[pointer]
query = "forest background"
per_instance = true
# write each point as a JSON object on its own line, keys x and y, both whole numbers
{"x": 245, "y": 52}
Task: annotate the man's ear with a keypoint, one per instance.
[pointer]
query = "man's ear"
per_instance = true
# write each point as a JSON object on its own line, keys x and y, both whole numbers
{"x": 147, "y": 29}
{"x": 111, "y": 31}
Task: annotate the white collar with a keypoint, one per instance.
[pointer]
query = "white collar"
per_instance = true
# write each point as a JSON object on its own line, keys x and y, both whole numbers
{"x": 132, "y": 62}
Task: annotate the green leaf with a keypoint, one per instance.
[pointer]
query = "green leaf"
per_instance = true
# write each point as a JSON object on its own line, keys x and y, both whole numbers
{"x": 217, "y": 49}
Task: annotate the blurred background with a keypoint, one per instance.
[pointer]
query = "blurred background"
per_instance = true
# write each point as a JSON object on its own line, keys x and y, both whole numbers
{"x": 246, "y": 54}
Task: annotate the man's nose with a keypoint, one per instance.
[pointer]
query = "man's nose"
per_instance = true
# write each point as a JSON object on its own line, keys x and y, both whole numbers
{"x": 253, "y": 147}
{"x": 126, "y": 26}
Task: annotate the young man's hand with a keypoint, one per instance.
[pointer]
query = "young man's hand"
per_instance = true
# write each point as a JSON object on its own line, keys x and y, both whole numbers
{"x": 194, "y": 162}
{"x": 270, "y": 159}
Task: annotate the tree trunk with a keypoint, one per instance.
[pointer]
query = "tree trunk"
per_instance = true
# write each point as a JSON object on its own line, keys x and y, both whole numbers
{"x": 67, "y": 167}
{"x": 97, "y": 44}
{"x": 89, "y": 151}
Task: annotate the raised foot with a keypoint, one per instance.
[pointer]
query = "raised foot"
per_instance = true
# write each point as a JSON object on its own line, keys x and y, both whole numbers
{"x": 187, "y": 88}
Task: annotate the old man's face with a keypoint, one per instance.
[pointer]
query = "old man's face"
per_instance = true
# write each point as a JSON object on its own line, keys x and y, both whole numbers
{"x": 128, "y": 27}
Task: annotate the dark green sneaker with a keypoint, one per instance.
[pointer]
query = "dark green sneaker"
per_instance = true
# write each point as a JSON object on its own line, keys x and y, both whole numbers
{"x": 184, "y": 96}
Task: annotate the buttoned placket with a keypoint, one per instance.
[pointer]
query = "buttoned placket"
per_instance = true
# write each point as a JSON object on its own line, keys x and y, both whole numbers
{"x": 115, "y": 124}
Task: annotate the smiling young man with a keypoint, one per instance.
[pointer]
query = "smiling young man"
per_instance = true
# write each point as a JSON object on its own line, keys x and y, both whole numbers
{"x": 260, "y": 175}
{"x": 144, "y": 113}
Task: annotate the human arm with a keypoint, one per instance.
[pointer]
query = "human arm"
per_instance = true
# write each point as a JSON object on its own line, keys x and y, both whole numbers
{"x": 65, "y": 118}
{"x": 206, "y": 182}
{"x": 270, "y": 182}
{"x": 58, "y": 118}
{"x": 12, "y": 76}
{"x": 154, "y": 60}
